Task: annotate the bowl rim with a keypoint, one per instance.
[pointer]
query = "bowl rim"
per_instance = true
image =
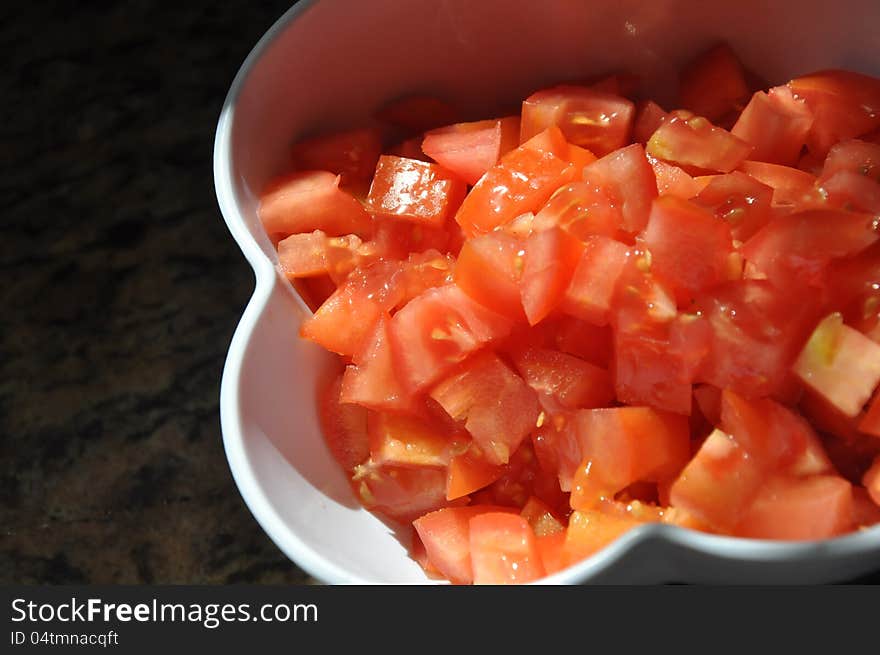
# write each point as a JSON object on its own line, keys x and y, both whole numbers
{"x": 729, "y": 549}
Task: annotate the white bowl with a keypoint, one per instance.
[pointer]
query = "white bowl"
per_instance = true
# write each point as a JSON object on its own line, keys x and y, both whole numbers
{"x": 331, "y": 63}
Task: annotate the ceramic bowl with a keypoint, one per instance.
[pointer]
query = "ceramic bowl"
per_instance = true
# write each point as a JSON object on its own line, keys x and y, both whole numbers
{"x": 331, "y": 63}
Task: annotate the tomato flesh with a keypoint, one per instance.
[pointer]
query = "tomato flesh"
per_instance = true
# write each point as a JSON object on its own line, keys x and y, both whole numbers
{"x": 471, "y": 149}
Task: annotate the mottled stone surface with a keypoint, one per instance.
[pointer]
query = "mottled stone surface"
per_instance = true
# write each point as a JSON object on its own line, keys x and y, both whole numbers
{"x": 121, "y": 291}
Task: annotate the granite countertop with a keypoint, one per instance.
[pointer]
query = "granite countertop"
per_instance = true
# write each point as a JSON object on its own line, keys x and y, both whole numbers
{"x": 122, "y": 291}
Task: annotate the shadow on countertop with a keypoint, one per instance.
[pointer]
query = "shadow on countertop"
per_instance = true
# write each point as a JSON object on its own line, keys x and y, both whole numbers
{"x": 122, "y": 288}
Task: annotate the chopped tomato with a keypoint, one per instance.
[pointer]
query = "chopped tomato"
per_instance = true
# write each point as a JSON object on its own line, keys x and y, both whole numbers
{"x": 696, "y": 144}
{"x": 445, "y": 534}
{"x": 714, "y": 83}
{"x": 471, "y": 149}
{"x": 351, "y": 155}
{"x": 870, "y": 423}
{"x": 789, "y": 184}
{"x": 522, "y": 181}
{"x": 590, "y": 531}
{"x": 709, "y": 401}
{"x": 308, "y": 201}
{"x": 673, "y": 181}
{"x": 489, "y": 269}
{"x": 622, "y": 445}
{"x": 740, "y": 201}
{"x": 649, "y": 116}
{"x": 871, "y": 480}
{"x": 400, "y": 493}
{"x": 865, "y": 511}
{"x": 412, "y": 190}
{"x": 439, "y": 329}
{"x": 816, "y": 507}
{"x": 498, "y": 408}
{"x": 344, "y": 427}
{"x": 573, "y": 382}
{"x": 776, "y": 125}
{"x": 550, "y": 547}
{"x": 688, "y": 246}
{"x": 504, "y": 549}
{"x": 590, "y": 118}
{"x": 403, "y": 440}
{"x": 550, "y": 259}
{"x": 469, "y": 472}
{"x": 594, "y": 279}
{"x": 841, "y": 364}
{"x": 582, "y": 209}
{"x": 541, "y": 517}
{"x": 305, "y": 254}
{"x": 853, "y": 156}
{"x": 585, "y": 340}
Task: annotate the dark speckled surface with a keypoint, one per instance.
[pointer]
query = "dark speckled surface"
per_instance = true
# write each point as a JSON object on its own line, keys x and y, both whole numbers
{"x": 121, "y": 290}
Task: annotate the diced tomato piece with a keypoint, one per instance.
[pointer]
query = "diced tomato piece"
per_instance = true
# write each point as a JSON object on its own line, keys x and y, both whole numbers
{"x": 412, "y": 190}
{"x": 397, "y": 239}
{"x": 714, "y": 83}
{"x": 596, "y": 120}
{"x": 469, "y": 472}
{"x": 418, "y": 113}
{"x": 573, "y": 382}
{"x": 719, "y": 484}
{"x": 844, "y": 105}
{"x": 696, "y": 144}
{"x": 372, "y": 380}
{"x": 776, "y": 125}
{"x": 541, "y": 517}
{"x": 471, "y": 149}
{"x": 489, "y": 268}
{"x": 305, "y": 254}
{"x": 308, "y": 201}
{"x": 589, "y": 342}
{"x": 314, "y": 290}
{"x": 594, "y": 280}
{"x": 504, "y": 549}
{"x": 423, "y": 271}
{"x": 590, "y": 531}
{"x": 446, "y": 536}
{"x": 689, "y": 247}
{"x": 550, "y": 259}
{"x": 852, "y": 191}
{"x": 498, "y": 408}
{"x": 582, "y": 209}
{"x": 628, "y": 178}
{"x": 740, "y": 201}
{"x": 550, "y": 547}
{"x": 870, "y": 423}
{"x": 348, "y": 316}
{"x": 673, "y": 181}
{"x": 352, "y": 154}
{"x": 649, "y": 117}
{"x": 622, "y": 445}
{"x": 816, "y": 507}
{"x": 437, "y": 330}
{"x": 871, "y": 480}
{"x": 523, "y": 476}
{"x": 403, "y": 440}
{"x": 865, "y": 511}
{"x": 853, "y": 156}
{"x": 841, "y": 364}
{"x": 344, "y": 427}
{"x": 522, "y": 181}
{"x": 813, "y": 460}
{"x": 410, "y": 149}
{"x": 400, "y": 493}
{"x": 770, "y": 433}
{"x": 789, "y": 184}
{"x": 556, "y": 447}
{"x": 794, "y": 250}
{"x": 580, "y": 157}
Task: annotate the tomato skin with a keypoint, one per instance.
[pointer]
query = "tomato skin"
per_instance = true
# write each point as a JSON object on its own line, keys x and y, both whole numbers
{"x": 550, "y": 259}
{"x": 470, "y": 149}
{"x": 649, "y": 116}
{"x": 504, "y": 549}
{"x": 714, "y": 83}
{"x": 817, "y": 507}
{"x": 696, "y": 144}
{"x": 776, "y": 125}
{"x": 595, "y": 120}
{"x": 352, "y": 155}
{"x": 437, "y": 330}
{"x": 308, "y": 201}
{"x": 498, "y": 408}
{"x": 489, "y": 269}
{"x": 689, "y": 247}
{"x": 522, "y": 181}
{"x": 412, "y": 190}
{"x": 594, "y": 280}
{"x": 445, "y": 534}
